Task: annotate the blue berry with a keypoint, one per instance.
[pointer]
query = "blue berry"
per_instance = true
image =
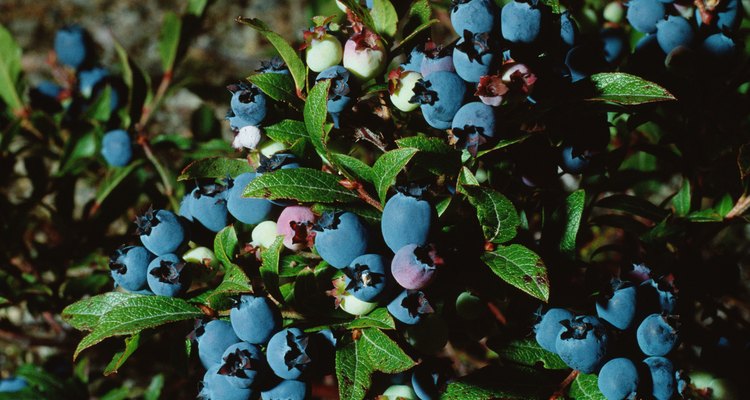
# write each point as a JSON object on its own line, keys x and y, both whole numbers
{"x": 365, "y": 277}
{"x": 643, "y": 15}
{"x": 340, "y": 238}
{"x": 255, "y": 319}
{"x": 72, "y": 46}
{"x": 409, "y": 307}
{"x": 91, "y": 79}
{"x": 116, "y": 148}
{"x": 414, "y": 60}
{"x": 185, "y": 210}
{"x": 520, "y": 22}
{"x": 275, "y": 65}
{"x": 288, "y": 353}
{"x": 168, "y": 275}
{"x": 407, "y": 219}
{"x": 208, "y": 206}
{"x": 13, "y": 384}
{"x": 615, "y": 44}
{"x": 618, "y": 379}
{"x": 656, "y": 336}
{"x": 248, "y": 103}
{"x": 619, "y": 307}
{"x": 568, "y": 29}
{"x": 473, "y": 124}
{"x": 572, "y": 161}
{"x": 414, "y": 267}
{"x": 217, "y": 387}
{"x": 436, "y": 58}
{"x": 718, "y": 47}
{"x": 213, "y": 338}
{"x": 243, "y": 364}
{"x": 662, "y": 377}
{"x": 129, "y": 265}
{"x": 656, "y": 296}
{"x": 339, "y": 94}
{"x": 244, "y": 209}
{"x": 45, "y": 97}
{"x": 276, "y": 162}
{"x": 584, "y": 60}
{"x": 673, "y": 32}
{"x": 161, "y": 231}
{"x": 548, "y": 327}
{"x": 424, "y": 381}
{"x": 473, "y": 16}
{"x": 286, "y": 390}
{"x": 473, "y": 56}
{"x": 726, "y": 16}
{"x": 582, "y": 343}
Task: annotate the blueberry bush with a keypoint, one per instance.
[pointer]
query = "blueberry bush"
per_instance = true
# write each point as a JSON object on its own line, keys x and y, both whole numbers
{"x": 460, "y": 200}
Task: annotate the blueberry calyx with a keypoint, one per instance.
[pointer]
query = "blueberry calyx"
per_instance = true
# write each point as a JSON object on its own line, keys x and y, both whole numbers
{"x": 328, "y": 221}
{"x": 575, "y": 329}
{"x": 427, "y": 255}
{"x": 114, "y": 263}
{"x": 416, "y": 304}
{"x": 276, "y": 161}
{"x": 475, "y": 45}
{"x": 297, "y": 356}
{"x": 274, "y": 64}
{"x": 361, "y": 277}
{"x": 422, "y": 93}
{"x": 414, "y": 190}
{"x": 146, "y": 222}
{"x": 236, "y": 363}
{"x": 168, "y": 272}
{"x": 247, "y": 92}
{"x": 456, "y": 3}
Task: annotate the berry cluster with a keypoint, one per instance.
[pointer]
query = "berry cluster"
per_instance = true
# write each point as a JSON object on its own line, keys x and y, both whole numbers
{"x": 603, "y": 344}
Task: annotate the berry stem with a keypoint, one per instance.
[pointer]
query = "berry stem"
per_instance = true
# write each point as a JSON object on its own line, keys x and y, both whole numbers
{"x": 739, "y": 208}
{"x": 560, "y": 392}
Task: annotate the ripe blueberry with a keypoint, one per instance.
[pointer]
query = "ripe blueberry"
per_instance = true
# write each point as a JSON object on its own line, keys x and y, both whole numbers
{"x": 582, "y": 343}
{"x": 409, "y": 307}
{"x": 288, "y": 353}
{"x": 116, "y": 148}
{"x": 161, "y": 231}
{"x": 618, "y": 379}
{"x": 213, "y": 338}
{"x": 656, "y": 335}
{"x": 243, "y": 364}
{"x": 618, "y": 307}
{"x": 365, "y": 277}
{"x": 340, "y": 237}
{"x": 168, "y": 275}
{"x": 407, "y": 218}
{"x": 246, "y": 210}
{"x": 129, "y": 265}
{"x": 255, "y": 319}
{"x": 548, "y": 327}
{"x": 414, "y": 267}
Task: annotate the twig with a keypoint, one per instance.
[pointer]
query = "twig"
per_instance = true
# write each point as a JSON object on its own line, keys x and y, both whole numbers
{"x": 560, "y": 392}
{"x": 739, "y": 208}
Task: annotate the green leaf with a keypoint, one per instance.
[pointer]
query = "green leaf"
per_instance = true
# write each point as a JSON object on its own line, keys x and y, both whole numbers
{"x": 378, "y": 318}
{"x": 681, "y": 201}
{"x": 153, "y": 391}
{"x": 521, "y": 268}
{"x": 384, "y": 18}
{"x": 357, "y": 360}
{"x": 493, "y": 382}
{"x": 369, "y": 214}
{"x": 528, "y": 352}
{"x": 413, "y": 35}
{"x": 496, "y": 214}
{"x": 78, "y": 152}
{"x": 287, "y": 131}
{"x": 301, "y": 184}
{"x": 621, "y": 88}
{"x": 10, "y": 70}
{"x": 135, "y": 314}
{"x": 503, "y": 144}
{"x": 554, "y": 5}
{"x": 633, "y": 205}
{"x": 288, "y": 54}
{"x": 42, "y": 381}
{"x": 421, "y": 9}
{"x": 169, "y": 40}
{"x": 279, "y": 87}
{"x": 426, "y": 144}
{"x": 114, "y": 177}
{"x": 235, "y": 282}
{"x": 131, "y": 345}
{"x": 85, "y": 314}
{"x": 569, "y": 215}
{"x": 269, "y": 269}
{"x": 585, "y": 387}
{"x": 216, "y": 167}
{"x": 724, "y": 205}
{"x": 709, "y": 215}
{"x": 387, "y": 167}
{"x": 225, "y": 245}
{"x": 315, "y": 113}
{"x": 100, "y": 109}
{"x": 196, "y": 7}
{"x": 362, "y": 13}
{"x": 466, "y": 178}
{"x": 305, "y": 290}
{"x": 354, "y": 165}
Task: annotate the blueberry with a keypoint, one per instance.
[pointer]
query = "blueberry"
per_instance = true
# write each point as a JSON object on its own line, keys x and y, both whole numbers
{"x": 473, "y": 124}
{"x": 407, "y": 219}
{"x": 436, "y": 58}
{"x": 185, "y": 210}
{"x": 161, "y": 231}
{"x": 409, "y": 307}
{"x": 213, "y": 338}
{"x": 72, "y": 46}
{"x": 217, "y": 387}
{"x": 548, "y": 327}
{"x": 673, "y": 32}
{"x": 129, "y": 265}
{"x": 414, "y": 267}
{"x": 656, "y": 296}
{"x": 585, "y": 60}
{"x": 662, "y": 377}
{"x": 618, "y": 308}
{"x": 574, "y": 161}
{"x": 656, "y": 335}
{"x": 248, "y": 103}
{"x": 275, "y": 65}
{"x": 643, "y": 15}
{"x": 719, "y": 47}
{"x": 339, "y": 94}
{"x": 473, "y": 15}
{"x": 441, "y": 95}
{"x": 340, "y": 237}
{"x": 46, "y": 97}
{"x": 13, "y": 384}
{"x": 288, "y": 353}
{"x": 520, "y": 22}
{"x": 287, "y": 390}
{"x": 618, "y": 379}
{"x": 168, "y": 275}
{"x": 116, "y": 148}
{"x": 246, "y": 210}
{"x": 236, "y": 123}
{"x": 208, "y": 206}
{"x": 726, "y": 16}
{"x": 414, "y": 60}
{"x": 473, "y": 56}
{"x": 424, "y": 381}
{"x": 568, "y": 29}
{"x": 296, "y": 223}
{"x": 243, "y": 364}
{"x": 91, "y": 79}
{"x": 615, "y": 44}
{"x": 255, "y": 319}
{"x": 365, "y": 55}
{"x": 365, "y": 277}
{"x": 582, "y": 343}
